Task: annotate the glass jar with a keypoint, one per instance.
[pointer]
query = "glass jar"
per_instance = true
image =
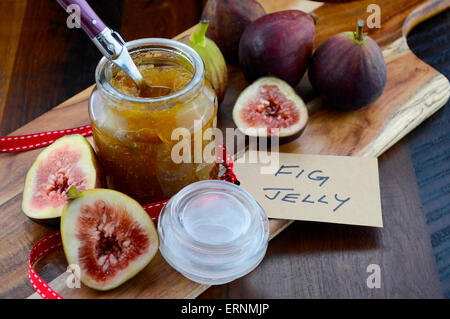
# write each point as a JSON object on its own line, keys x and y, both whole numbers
{"x": 213, "y": 232}
{"x": 133, "y": 135}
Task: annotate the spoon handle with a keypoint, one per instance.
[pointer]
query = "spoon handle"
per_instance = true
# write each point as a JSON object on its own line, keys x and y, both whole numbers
{"x": 107, "y": 41}
{"x": 90, "y": 22}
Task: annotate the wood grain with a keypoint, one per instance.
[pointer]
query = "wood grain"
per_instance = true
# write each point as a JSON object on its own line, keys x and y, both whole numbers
{"x": 340, "y": 17}
{"x": 358, "y": 131}
{"x": 50, "y": 64}
{"x": 400, "y": 109}
{"x": 9, "y": 32}
{"x": 153, "y": 20}
{"x": 429, "y": 145}
{"x": 317, "y": 260}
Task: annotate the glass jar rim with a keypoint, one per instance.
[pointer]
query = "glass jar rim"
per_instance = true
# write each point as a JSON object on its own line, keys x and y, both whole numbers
{"x": 181, "y": 197}
{"x": 219, "y": 262}
{"x": 154, "y": 44}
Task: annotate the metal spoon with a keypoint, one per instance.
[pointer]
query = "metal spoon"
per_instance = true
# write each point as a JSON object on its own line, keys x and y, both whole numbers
{"x": 112, "y": 46}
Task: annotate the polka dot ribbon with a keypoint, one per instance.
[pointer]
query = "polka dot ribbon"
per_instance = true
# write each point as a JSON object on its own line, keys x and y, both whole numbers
{"x": 20, "y": 143}
{"x": 43, "y": 247}
{"x": 52, "y": 241}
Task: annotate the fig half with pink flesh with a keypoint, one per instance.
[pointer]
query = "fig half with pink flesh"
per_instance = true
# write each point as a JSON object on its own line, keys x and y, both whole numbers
{"x": 69, "y": 161}
{"x": 108, "y": 235}
{"x": 268, "y": 107}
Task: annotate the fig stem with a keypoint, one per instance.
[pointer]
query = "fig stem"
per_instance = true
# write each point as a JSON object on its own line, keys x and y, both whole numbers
{"x": 315, "y": 17}
{"x": 73, "y": 193}
{"x": 199, "y": 34}
{"x": 359, "y": 35}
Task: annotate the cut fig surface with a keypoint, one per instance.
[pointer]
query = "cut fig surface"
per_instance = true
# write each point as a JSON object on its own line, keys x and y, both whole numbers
{"x": 268, "y": 107}
{"x": 109, "y": 236}
{"x": 70, "y": 161}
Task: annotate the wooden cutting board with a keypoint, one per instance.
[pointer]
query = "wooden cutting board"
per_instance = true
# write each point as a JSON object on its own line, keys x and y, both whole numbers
{"x": 414, "y": 91}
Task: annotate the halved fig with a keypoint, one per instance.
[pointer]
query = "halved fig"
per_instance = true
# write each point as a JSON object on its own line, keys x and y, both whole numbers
{"x": 269, "y": 107}
{"x": 70, "y": 161}
{"x": 108, "y": 235}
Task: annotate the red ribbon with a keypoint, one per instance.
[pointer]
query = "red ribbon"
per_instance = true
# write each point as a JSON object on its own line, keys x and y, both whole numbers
{"x": 52, "y": 241}
{"x": 43, "y": 247}
{"x": 19, "y": 143}
{"x": 47, "y": 244}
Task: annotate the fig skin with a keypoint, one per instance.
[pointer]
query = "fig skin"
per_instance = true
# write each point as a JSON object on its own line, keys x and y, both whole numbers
{"x": 50, "y": 216}
{"x": 278, "y": 44}
{"x": 349, "y": 73}
{"x": 228, "y": 20}
{"x": 72, "y": 211}
{"x": 286, "y": 134}
{"x": 216, "y": 71}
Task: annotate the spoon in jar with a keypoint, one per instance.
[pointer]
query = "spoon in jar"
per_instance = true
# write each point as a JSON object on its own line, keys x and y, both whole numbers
{"x": 111, "y": 45}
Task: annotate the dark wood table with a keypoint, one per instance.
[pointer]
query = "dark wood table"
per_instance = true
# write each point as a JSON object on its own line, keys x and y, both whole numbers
{"x": 45, "y": 63}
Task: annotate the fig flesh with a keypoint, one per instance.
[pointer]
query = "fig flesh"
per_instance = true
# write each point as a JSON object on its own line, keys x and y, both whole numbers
{"x": 228, "y": 20}
{"x": 215, "y": 67}
{"x": 69, "y": 161}
{"x": 278, "y": 44}
{"x": 348, "y": 70}
{"x": 108, "y": 235}
{"x": 270, "y": 107}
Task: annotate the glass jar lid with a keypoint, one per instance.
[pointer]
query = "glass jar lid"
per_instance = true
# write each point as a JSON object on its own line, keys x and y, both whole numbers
{"x": 213, "y": 232}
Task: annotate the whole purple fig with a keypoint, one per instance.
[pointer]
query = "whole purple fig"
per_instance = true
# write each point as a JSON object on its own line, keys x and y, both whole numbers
{"x": 278, "y": 44}
{"x": 348, "y": 70}
{"x": 228, "y": 20}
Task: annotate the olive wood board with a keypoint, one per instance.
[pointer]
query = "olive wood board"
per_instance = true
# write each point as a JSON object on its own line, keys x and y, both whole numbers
{"x": 414, "y": 91}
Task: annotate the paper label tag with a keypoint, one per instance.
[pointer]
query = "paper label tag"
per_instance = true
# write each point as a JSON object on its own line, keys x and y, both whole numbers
{"x": 322, "y": 188}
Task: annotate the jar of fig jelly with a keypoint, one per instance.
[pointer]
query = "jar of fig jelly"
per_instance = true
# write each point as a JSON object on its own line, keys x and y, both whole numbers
{"x": 133, "y": 134}
{"x": 213, "y": 232}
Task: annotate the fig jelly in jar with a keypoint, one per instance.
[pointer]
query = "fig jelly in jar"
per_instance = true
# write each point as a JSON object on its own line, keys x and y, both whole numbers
{"x": 133, "y": 134}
